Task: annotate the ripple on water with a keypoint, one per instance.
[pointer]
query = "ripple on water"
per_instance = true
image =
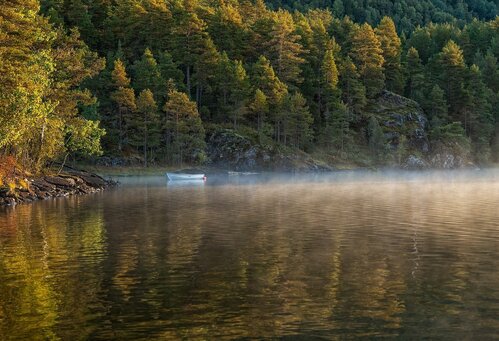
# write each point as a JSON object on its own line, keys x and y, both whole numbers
{"x": 321, "y": 257}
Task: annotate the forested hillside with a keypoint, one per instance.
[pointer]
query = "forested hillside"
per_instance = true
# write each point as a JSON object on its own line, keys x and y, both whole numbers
{"x": 152, "y": 77}
{"x": 407, "y": 14}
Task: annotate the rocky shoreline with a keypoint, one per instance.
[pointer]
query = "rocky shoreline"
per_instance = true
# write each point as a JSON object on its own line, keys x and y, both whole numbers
{"x": 65, "y": 184}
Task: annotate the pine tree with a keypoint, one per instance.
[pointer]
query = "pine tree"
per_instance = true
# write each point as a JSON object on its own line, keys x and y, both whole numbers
{"x": 377, "y": 141}
{"x": 189, "y": 37}
{"x": 259, "y": 109}
{"x": 265, "y": 79}
{"x": 285, "y": 49}
{"x": 145, "y": 125}
{"x": 233, "y": 87}
{"x": 78, "y": 15}
{"x": 491, "y": 72}
{"x": 329, "y": 71}
{"x": 168, "y": 69}
{"x": 450, "y": 70}
{"x": 338, "y": 8}
{"x": 147, "y": 74}
{"x": 391, "y": 46}
{"x": 205, "y": 69}
{"x": 414, "y": 76}
{"x": 227, "y": 28}
{"x": 124, "y": 98}
{"x": 337, "y": 133}
{"x": 436, "y": 107}
{"x": 297, "y": 123}
{"x": 353, "y": 91}
{"x": 367, "y": 55}
{"x": 185, "y": 129}
{"x": 479, "y": 119}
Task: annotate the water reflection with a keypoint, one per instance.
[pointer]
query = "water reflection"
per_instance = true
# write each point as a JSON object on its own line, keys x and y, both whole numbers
{"x": 232, "y": 259}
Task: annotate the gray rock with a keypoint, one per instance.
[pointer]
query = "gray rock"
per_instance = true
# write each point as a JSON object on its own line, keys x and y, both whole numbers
{"x": 414, "y": 162}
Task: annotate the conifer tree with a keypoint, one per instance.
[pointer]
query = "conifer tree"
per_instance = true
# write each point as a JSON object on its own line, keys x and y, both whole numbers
{"x": 367, "y": 55}
{"x": 391, "y": 46}
{"x": 414, "y": 76}
{"x": 78, "y": 15}
{"x": 124, "y": 98}
{"x": 183, "y": 124}
{"x": 205, "y": 69}
{"x": 259, "y": 109}
{"x": 147, "y": 74}
{"x": 353, "y": 91}
{"x": 377, "y": 141}
{"x": 479, "y": 119}
{"x": 233, "y": 84}
{"x": 145, "y": 125}
{"x": 490, "y": 72}
{"x": 168, "y": 69}
{"x": 285, "y": 49}
{"x": 436, "y": 107}
{"x": 450, "y": 70}
{"x": 189, "y": 37}
{"x": 297, "y": 123}
{"x": 337, "y": 134}
{"x": 265, "y": 79}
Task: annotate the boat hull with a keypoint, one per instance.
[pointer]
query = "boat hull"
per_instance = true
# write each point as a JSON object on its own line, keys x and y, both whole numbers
{"x": 184, "y": 176}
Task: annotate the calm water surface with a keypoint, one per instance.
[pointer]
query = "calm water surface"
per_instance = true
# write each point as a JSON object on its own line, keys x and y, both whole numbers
{"x": 408, "y": 256}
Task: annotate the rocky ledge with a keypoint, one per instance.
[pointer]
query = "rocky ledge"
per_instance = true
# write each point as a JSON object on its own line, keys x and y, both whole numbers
{"x": 62, "y": 185}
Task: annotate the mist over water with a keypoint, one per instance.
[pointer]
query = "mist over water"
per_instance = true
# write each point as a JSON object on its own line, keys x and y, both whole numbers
{"x": 348, "y": 254}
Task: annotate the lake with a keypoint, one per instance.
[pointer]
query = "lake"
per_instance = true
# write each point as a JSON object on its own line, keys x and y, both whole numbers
{"x": 408, "y": 255}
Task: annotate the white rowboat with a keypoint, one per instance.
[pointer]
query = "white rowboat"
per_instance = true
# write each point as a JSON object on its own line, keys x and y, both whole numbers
{"x": 184, "y": 176}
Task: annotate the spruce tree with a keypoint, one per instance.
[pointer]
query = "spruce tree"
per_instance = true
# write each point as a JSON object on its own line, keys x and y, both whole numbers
{"x": 391, "y": 46}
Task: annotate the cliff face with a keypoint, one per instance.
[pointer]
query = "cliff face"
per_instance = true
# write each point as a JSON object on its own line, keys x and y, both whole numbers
{"x": 399, "y": 117}
{"x": 403, "y": 117}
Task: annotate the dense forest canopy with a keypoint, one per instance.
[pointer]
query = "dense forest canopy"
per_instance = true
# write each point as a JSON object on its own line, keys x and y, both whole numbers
{"x": 150, "y": 77}
{"x": 407, "y": 14}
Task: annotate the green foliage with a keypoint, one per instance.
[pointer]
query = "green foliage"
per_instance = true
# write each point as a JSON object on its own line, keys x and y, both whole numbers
{"x": 41, "y": 70}
{"x": 184, "y": 129}
{"x": 306, "y": 78}
{"x": 391, "y": 46}
{"x": 367, "y": 55}
{"x": 377, "y": 140}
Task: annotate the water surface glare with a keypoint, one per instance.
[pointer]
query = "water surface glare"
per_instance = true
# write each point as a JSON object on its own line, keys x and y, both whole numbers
{"x": 320, "y": 257}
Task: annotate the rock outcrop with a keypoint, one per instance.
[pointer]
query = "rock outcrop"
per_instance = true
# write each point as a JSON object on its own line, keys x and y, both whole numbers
{"x": 402, "y": 116}
{"x": 230, "y": 150}
{"x": 45, "y": 187}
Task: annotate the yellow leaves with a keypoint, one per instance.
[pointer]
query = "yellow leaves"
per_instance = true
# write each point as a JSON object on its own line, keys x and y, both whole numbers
{"x": 119, "y": 75}
{"x": 12, "y": 187}
{"x": 23, "y": 183}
